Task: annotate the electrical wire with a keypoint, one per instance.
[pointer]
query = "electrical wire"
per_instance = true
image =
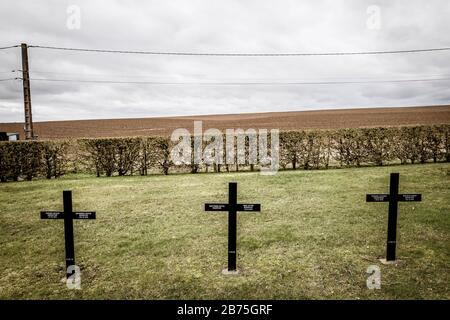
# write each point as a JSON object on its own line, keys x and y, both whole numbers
{"x": 101, "y": 75}
{"x": 240, "y": 83}
{"x": 9, "y": 79}
{"x": 2, "y": 48}
{"x": 242, "y": 54}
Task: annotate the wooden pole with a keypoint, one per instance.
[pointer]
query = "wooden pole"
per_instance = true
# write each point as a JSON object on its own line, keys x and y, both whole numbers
{"x": 26, "y": 94}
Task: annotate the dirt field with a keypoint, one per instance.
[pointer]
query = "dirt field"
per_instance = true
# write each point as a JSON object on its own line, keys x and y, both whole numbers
{"x": 326, "y": 119}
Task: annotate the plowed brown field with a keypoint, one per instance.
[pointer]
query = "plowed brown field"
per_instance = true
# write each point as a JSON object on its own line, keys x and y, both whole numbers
{"x": 325, "y": 119}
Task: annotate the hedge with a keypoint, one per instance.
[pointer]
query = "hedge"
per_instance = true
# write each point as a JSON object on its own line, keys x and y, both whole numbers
{"x": 314, "y": 149}
{"x": 30, "y": 159}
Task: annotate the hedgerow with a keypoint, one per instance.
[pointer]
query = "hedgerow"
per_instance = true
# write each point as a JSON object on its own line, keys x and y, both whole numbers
{"x": 307, "y": 149}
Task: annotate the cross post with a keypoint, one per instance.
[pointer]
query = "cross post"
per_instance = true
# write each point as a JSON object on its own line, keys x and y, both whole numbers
{"x": 393, "y": 198}
{"x": 68, "y": 230}
{"x": 68, "y": 215}
{"x": 232, "y": 207}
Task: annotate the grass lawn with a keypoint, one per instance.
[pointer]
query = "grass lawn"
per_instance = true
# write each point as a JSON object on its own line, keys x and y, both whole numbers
{"x": 314, "y": 239}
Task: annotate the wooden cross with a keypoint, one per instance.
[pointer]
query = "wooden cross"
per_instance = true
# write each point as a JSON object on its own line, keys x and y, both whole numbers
{"x": 393, "y": 198}
{"x": 68, "y": 215}
{"x": 232, "y": 207}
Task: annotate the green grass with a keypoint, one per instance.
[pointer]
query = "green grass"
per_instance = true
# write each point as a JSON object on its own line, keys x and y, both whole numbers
{"x": 314, "y": 238}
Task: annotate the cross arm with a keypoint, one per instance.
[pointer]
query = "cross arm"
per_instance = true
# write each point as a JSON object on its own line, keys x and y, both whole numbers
{"x": 377, "y": 197}
{"x": 75, "y": 215}
{"x": 386, "y": 197}
{"x": 409, "y": 197}
{"x": 249, "y": 207}
{"x": 84, "y": 215}
{"x": 217, "y": 207}
{"x": 52, "y": 215}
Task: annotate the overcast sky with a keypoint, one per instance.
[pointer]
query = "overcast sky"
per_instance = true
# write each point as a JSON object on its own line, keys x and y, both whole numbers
{"x": 226, "y": 26}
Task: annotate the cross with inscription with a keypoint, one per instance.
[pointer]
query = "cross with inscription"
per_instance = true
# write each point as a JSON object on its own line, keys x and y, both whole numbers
{"x": 393, "y": 198}
{"x": 68, "y": 215}
{"x": 232, "y": 207}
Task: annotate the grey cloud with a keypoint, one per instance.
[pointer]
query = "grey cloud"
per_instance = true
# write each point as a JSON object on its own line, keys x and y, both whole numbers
{"x": 221, "y": 26}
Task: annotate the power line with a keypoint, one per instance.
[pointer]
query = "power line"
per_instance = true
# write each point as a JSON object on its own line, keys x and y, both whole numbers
{"x": 2, "y": 48}
{"x": 240, "y": 83}
{"x": 9, "y": 79}
{"x": 243, "y": 54}
{"x": 128, "y": 75}
{"x": 94, "y": 74}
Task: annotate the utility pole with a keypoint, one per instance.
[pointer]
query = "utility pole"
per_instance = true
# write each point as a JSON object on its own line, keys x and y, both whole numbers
{"x": 26, "y": 94}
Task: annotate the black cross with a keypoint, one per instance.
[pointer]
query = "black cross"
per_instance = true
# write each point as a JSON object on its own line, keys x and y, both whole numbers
{"x": 393, "y": 198}
{"x": 68, "y": 215}
{"x": 232, "y": 207}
